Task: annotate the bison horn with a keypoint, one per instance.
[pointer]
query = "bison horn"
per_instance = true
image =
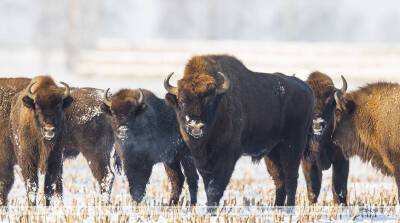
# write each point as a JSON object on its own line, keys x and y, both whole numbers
{"x": 141, "y": 97}
{"x": 67, "y": 89}
{"x": 339, "y": 100}
{"x": 30, "y": 93}
{"x": 168, "y": 87}
{"x": 106, "y": 100}
{"x": 344, "y": 87}
{"x": 225, "y": 86}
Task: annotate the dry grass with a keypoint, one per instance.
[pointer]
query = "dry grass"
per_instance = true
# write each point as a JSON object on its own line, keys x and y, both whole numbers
{"x": 249, "y": 198}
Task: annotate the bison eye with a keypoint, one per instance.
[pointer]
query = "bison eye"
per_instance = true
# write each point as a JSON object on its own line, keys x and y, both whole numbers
{"x": 140, "y": 109}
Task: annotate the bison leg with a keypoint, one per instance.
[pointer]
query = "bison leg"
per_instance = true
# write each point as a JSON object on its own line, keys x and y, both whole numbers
{"x": 6, "y": 178}
{"x": 29, "y": 173}
{"x": 275, "y": 170}
{"x": 53, "y": 177}
{"x": 192, "y": 177}
{"x": 313, "y": 176}
{"x": 219, "y": 179}
{"x": 290, "y": 157}
{"x": 138, "y": 175}
{"x": 101, "y": 170}
{"x": 340, "y": 174}
{"x": 177, "y": 179}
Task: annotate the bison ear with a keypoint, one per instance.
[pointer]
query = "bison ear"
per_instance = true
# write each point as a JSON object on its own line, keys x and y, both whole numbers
{"x": 105, "y": 108}
{"x": 28, "y": 102}
{"x": 141, "y": 109}
{"x": 67, "y": 102}
{"x": 171, "y": 100}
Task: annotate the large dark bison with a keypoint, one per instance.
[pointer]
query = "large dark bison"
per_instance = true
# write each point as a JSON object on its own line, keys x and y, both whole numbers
{"x": 225, "y": 111}
{"x": 8, "y": 88}
{"x": 37, "y": 124}
{"x": 147, "y": 133}
{"x": 326, "y": 154}
{"x": 366, "y": 124}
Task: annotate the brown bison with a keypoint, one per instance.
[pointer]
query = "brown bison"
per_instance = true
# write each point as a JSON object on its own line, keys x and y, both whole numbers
{"x": 147, "y": 133}
{"x": 366, "y": 124}
{"x": 8, "y": 88}
{"x": 225, "y": 111}
{"x": 326, "y": 154}
{"x": 36, "y": 121}
{"x": 88, "y": 131}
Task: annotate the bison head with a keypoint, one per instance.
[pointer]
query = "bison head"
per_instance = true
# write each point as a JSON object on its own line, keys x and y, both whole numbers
{"x": 195, "y": 101}
{"x": 123, "y": 107}
{"x": 48, "y": 102}
{"x": 342, "y": 122}
{"x": 323, "y": 120}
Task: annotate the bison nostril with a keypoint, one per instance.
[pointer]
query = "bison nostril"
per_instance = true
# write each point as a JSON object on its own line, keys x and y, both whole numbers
{"x": 123, "y": 128}
{"x": 48, "y": 128}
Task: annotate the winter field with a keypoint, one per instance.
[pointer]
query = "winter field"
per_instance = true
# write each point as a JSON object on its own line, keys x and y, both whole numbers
{"x": 250, "y": 194}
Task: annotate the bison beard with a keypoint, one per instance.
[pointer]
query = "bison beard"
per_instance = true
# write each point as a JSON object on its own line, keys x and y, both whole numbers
{"x": 32, "y": 112}
{"x": 242, "y": 113}
{"x": 147, "y": 133}
{"x": 325, "y": 153}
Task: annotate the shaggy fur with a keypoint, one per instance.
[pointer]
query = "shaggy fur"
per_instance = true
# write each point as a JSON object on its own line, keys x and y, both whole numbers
{"x": 261, "y": 115}
{"x": 27, "y": 120}
{"x": 152, "y": 137}
{"x": 325, "y": 152}
{"x": 91, "y": 136}
{"x": 8, "y": 88}
{"x": 88, "y": 131}
{"x": 367, "y": 126}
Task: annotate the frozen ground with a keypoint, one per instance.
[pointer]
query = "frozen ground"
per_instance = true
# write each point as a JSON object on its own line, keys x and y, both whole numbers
{"x": 116, "y": 65}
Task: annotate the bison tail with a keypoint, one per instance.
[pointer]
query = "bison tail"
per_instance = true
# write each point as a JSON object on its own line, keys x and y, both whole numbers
{"x": 117, "y": 163}
{"x": 307, "y": 153}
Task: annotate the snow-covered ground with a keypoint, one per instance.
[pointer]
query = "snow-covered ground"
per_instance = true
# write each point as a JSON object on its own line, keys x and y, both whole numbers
{"x": 117, "y": 65}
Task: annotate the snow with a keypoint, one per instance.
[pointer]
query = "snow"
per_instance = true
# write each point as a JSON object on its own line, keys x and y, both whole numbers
{"x": 90, "y": 112}
{"x": 250, "y": 183}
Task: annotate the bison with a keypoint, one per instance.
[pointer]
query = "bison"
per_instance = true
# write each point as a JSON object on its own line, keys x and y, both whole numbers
{"x": 86, "y": 130}
{"x": 224, "y": 111}
{"x": 147, "y": 133}
{"x": 8, "y": 88}
{"x": 326, "y": 153}
{"x": 36, "y": 121}
{"x": 366, "y": 124}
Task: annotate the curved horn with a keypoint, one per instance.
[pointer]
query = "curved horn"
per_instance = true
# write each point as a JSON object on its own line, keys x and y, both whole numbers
{"x": 106, "y": 100}
{"x": 30, "y": 93}
{"x": 141, "y": 97}
{"x": 344, "y": 87}
{"x": 67, "y": 89}
{"x": 225, "y": 86}
{"x": 339, "y": 100}
{"x": 168, "y": 87}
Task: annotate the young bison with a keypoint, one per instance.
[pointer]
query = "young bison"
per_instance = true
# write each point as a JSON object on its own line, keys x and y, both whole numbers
{"x": 37, "y": 119}
{"x": 147, "y": 132}
{"x": 326, "y": 154}
{"x": 366, "y": 124}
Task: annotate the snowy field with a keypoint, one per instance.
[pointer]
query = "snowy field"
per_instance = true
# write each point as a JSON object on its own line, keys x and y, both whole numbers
{"x": 251, "y": 190}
